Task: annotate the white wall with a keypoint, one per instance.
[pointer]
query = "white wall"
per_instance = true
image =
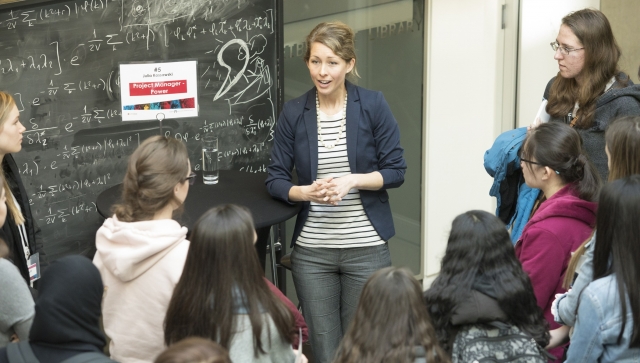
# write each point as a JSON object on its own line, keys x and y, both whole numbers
{"x": 539, "y": 24}
{"x": 462, "y": 112}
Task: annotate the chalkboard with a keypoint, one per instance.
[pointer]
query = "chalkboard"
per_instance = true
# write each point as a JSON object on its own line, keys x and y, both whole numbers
{"x": 60, "y": 61}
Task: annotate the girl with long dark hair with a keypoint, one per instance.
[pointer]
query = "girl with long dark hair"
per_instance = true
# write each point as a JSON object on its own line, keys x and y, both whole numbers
{"x": 141, "y": 250}
{"x": 552, "y": 160}
{"x": 391, "y": 323}
{"x": 482, "y": 281}
{"x": 222, "y": 295}
{"x": 608, "y": 321}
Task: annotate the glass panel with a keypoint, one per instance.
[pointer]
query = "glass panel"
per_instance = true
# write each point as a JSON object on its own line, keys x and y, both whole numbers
{"x": 389, "y": 51}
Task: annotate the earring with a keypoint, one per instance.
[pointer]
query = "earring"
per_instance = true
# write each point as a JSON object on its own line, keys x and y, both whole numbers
{"x": 557, "y": 172}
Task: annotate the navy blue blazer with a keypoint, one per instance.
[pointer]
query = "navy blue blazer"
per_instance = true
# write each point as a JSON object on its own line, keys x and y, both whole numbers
{"x": 373, "y": 144}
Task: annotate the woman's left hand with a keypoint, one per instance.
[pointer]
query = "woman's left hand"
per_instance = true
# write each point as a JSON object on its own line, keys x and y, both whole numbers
{"x": 342, "y": 186}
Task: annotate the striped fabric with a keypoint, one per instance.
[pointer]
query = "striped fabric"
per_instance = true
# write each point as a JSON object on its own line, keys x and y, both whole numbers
{"x": 345, "y": 225}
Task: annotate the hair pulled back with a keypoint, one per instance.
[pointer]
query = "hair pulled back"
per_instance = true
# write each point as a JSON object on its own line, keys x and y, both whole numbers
{"x": 338, "y": 37}
{"x": 623, "y": 142}
{"x": 601, "y": 56}
{"x": 479, "y": 247}
{"x": 390, "y": 322}
{"x": 559, "y": 147}
{"x": 6, "y": 106}
{"x": 154, "y": 169}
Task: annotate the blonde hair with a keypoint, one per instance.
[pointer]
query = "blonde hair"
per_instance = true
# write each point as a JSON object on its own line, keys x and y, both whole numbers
{"x": 6, "y": 106}
{"x": 338, "y": 37}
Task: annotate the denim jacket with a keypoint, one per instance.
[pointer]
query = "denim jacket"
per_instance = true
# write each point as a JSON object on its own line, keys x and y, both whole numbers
{"x": 567, "y": 304}
{"x": 598, "y": 325}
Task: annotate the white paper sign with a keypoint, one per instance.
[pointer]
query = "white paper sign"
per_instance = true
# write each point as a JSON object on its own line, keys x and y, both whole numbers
{"x": 150, "y": 89}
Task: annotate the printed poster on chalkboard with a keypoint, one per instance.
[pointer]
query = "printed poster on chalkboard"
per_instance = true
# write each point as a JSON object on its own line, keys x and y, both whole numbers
{"x": 151, "y": 89}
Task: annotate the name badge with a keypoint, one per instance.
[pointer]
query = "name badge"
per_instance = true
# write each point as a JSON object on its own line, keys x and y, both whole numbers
{"x": 34, "y": 267}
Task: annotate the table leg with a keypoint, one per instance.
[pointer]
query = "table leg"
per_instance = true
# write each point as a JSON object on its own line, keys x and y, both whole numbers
{"x": 261, "y": 244}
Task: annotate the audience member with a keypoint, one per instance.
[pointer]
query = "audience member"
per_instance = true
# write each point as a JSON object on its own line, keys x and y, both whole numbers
{"x": 194, "y": 350}
{"x": 391, "y": 323}
{"x": 21, "y": 232}
{"x": 16, "y": 303}
{"x": 481, "y": 284}
{"x": 67, "y": 320}
{"x": 141, "y": 250}
{"x": 589, "y": 89}
{"x": 553, "y": 161}
{"x": 608, "y": 320}
{"x": 222, "y": 294}
{"x": 623, "y": 154}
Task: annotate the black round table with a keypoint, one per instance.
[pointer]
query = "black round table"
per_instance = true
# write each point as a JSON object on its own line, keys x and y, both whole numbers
{"x": 246, "y": 189}
{"x": 235, "y": 187}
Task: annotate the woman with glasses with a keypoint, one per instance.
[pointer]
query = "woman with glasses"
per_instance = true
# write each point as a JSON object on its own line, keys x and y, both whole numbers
{"x": 142, "y": 250}
{"x": 552, "y": 160}
{"x": 589, "y": 89}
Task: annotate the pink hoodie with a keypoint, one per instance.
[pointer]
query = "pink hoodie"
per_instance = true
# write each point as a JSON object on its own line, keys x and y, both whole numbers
{"x": 140, "y": 264}
{"x": 556, "y": 229}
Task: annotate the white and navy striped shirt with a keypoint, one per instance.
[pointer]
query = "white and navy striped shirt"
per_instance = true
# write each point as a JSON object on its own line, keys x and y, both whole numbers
{"x": 346, "y": 224}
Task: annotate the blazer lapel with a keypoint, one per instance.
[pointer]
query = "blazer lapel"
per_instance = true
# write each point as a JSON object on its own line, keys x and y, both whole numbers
{"x": 311, "y": 123}
{"x": 353, "y": 119}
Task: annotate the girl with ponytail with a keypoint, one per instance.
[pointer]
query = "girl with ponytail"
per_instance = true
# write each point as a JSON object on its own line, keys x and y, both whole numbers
{"x": 553, "y": 160}
{"x": 141, "y": 250}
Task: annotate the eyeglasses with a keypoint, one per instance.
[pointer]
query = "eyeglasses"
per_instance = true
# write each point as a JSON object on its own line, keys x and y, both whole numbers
{"x": 564, "y": 50}
{"x": 525, "y": 160}
{"x": 191, "y": 178}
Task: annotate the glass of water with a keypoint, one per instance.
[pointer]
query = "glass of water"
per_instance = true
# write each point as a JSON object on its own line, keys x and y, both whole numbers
{"x": 210, "y": 159}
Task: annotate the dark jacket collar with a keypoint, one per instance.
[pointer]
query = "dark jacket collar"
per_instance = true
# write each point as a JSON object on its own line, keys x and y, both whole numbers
{"x": 353, "y": 119}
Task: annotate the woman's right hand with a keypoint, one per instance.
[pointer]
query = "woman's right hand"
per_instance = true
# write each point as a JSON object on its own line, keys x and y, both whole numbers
{"x": 559, "y": 337}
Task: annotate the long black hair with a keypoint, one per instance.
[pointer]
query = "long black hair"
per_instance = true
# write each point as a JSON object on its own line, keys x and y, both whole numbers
{"x": 479, "y": 246}
{"x": 222, "y": 259}
{"x": 618, "y": 238}
{"x": 559, "y": 147}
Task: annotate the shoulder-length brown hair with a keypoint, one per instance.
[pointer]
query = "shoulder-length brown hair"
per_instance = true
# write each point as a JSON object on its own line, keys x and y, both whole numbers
{"x": 601, "y": 56}
{"x": 222, "y": 270}
{"x": 390, "y": 322}
{"x": 154, "y": 169}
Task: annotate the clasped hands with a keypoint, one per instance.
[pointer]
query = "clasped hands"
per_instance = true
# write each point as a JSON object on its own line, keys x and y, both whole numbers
{"x": 329, "y": 190}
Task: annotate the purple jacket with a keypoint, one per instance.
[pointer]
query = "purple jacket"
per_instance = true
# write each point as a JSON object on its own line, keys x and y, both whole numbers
{"x": 556, "y": 229}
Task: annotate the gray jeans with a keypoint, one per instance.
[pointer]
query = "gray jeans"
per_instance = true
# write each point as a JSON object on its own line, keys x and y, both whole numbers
{"x": 328, "y": 282}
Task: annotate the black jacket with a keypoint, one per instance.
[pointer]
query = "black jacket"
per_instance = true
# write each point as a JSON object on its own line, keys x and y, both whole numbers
{"x": 10, "y": 233}
{"x": 68, "y": 309}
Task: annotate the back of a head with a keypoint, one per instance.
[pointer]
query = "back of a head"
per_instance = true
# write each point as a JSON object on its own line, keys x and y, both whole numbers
{"x": 154, "y": 169}
{"x": 390, "y": 321}
{"x": 623, "y": 143}
{"x": 617, "y": 247}
{"x": 559, "y": 146}
{"x": 194, "y": 350}
{"x": 68, "y": 306}
{"x": 479, "y": 247}
{"x": 222, "y": 249}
